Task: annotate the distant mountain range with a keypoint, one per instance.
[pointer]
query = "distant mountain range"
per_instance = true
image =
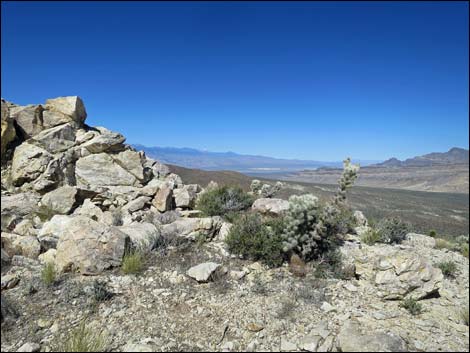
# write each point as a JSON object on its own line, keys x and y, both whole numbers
{"x": 453, "y": 156}
{"x": 193, "y": 158}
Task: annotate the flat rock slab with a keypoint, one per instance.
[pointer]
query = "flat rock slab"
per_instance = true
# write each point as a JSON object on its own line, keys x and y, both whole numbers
{"x": 202, "y": 272}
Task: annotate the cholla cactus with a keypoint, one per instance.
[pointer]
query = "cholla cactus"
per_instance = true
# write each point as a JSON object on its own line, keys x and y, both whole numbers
{"x": 265, "y": 190}
{"x": 311, "y": 230}
{"x": 347, "y": 180}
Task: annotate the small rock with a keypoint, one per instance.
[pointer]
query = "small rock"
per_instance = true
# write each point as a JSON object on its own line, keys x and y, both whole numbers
{"x": 202, "y": 272}
{"x": 327, "y": 307}
{"x": 310, "y": 343}
{"x": 29, "y": 347}
{"x": 254, "y": 327}
{"x": 9, "y": 281}
{"x": 287, "y": 346}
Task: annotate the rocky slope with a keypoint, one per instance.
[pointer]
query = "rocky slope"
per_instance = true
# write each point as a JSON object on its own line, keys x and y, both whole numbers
{"x": 79, "y": 197}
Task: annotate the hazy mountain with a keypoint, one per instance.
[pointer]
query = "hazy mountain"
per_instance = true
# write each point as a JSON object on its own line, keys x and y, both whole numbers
{"x": 193, "y": 158}
{"x": 453, "y": 156}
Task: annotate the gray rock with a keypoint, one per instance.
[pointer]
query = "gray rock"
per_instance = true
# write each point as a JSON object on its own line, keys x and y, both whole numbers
{"x": 29, "y": 347}
{"x": 351, "y": 339}
{"x": 203, "y": 272}
{"x": 15, "y": 244}
{"x": 63, "y": 110}
{"x": 163, "y": 200}
{"x": 7, "y": 129}
{"x": 89, "y": 246}
{"x": 29, "y": 161}
{"x": 143, "y": 236}
{"x": 185, "y": 197}
{"x": 29, "y": 119}
{"x": 56, "y": 139}
{"x": 105, "y": 141}
{"x": 61, "y": 200}
{"x": 270, "y": 206}
{"x": 137, "y": 204}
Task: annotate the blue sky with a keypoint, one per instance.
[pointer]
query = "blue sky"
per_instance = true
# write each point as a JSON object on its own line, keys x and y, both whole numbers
{"x": 294, "y": 80}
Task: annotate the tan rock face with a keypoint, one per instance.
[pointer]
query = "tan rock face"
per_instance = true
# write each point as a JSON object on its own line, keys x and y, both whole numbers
{"x": 163, "y": 200}
{"x": 15, "y": 244}
{"x": 89, "y": 247}
{"x": 270, "y": 206}
{"x": 29, "y": 119}
{"x": 64, "y": 109}
{"x": 29, "y": 161}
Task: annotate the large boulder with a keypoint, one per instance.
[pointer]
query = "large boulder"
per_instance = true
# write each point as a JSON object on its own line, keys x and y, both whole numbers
{"x": 56, "y": 139}
{"x": 59, "y": 171}
{"x": 7, "y": 129}
{"x": 396, "y": 273}
{"x": 143, "y": 236}
{"x": 192, "y": 227}
{"x": 63, "y": 110}
{"x": 101, "y": 170}
{"x": 16, "y": 207}
{"x": 185, "y": 197}
{"x": 133, "y": 163}
{"x": 29, "y": 162}
{"x": 89, "y": 247}
{"x": 104, "y": 141}
{"x": 270, "y": 206}
{"x": 29, "y": 119}
{"x": 52, "y": 230}
{"x": 61, "y": 200}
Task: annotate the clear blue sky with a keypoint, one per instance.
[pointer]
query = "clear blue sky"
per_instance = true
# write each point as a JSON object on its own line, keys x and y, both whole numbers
{"x": 297, "y": 80}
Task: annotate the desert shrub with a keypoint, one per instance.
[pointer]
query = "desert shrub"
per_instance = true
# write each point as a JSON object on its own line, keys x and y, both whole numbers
{"x": 432, "y": 233}
{"x": 286, "y": 309}
{"x": 393, "y": 230}
{"x": 101, "y": 291}
{"x": 370, "y": 237}
{"x": 49, "y": 274}
{"x": 222, "y": 200}
{"x": 132, "y": 263}
{"x": 84, "y": 339}
{"x": 255, "y": 240}
{"x": 412, "y": 305}
{"x": 448, "y": 268}
{"x": 443, "y": 244}
{"x": 165, "y": 218}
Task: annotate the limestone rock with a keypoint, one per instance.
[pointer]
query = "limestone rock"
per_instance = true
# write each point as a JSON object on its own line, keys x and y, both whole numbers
{"x": 351, "y": 339}
{"x": 133, "y": 163}
{"x": 61, "y": 200}
{"x": 56, "y": 139}
{"x": 16, "y": 207}
{"x": 29, "y": 119}
{"x": 8, "y": 132}
{"x": 185, "y": 197}
{"x": 63, "y": 110}
{"x": 29, "y": 161}
{"x": 143, "y": 236}
{"x": 89, "y": 246}
{"x": 15, "y": 244}
{"x": 191, "y": 227}
{"x": 163, "y": 200}
{"x": 202, "y": 272}
{"x": 361, "y": 220}
{"x": 137, "y": 204}
{"x": 30, "y": 347}
{"x": 270, "y": 206}
{"x": 101, "y": 170}
{"x": 105, "y": 141}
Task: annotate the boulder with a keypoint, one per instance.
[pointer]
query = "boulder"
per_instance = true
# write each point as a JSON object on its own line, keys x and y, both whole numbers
{"x": 61, "y": 200}
{"x": 29, "y": 162}
{"x": 88, "y": 246}
{"x": 52, "y": 230}
{"x": 185, "y": 197}
{"x": 133, "y": 162}
{"x": 192, "y": 227}
{"x": 16, "y": 207}
{"x": 29, "y": 120}
{"x": 143, "y": 236}
{"x": 8, "y": 132}
{"x": 15, "y": 244}
{"x": 163, "y": 200}
{"x": 420, "y": 240}
{"x": 352, "y": 339}
{"x": 62, "y": 110}
{"x": 396, "y": 273}
{"x": 360, "y": 219}
{"x": 203, "y": 272}
{"x": 56, "y": 139}
{"x": 270, "y": 206}
{"x": 102, "y": 170}
{"x": 137, "y": 204}
{"x": 105, "y": 141}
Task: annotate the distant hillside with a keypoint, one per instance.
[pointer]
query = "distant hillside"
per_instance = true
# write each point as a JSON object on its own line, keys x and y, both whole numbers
{"x": 250, "y": 164}
{"x": 453, "y": 156}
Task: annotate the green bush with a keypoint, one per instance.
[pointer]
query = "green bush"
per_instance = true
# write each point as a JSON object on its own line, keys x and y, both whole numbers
{"x": 255, "y": 240}
{"x": 48, "y": 273}
{"x": 432, "y": 233}
{"x": 370, "y": 237}
{"x": 132, "y": 263}
{"x": 101, "y": 291}
{"x": 443, "y": 244}
{"x": 84, "y": 339}
{"x": 393, "y": 230}
{"x": 448, "y": 268}
{"x": 223, "y": 200}
{"x": 412, "y": 305}
{"x": 464, "y": 250}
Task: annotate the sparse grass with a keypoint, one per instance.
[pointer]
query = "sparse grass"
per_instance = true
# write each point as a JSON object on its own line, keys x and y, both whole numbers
{"x": 443, "y": 244}
{"x": 448, "y": 268}
{"x": 464, "y": 250}
{"x": 84, "y": 339}
{"x": 259, "y": 287}
{"x": 49, "y": 274}
{"x": 132, "y": 263}
{"x": 412, "y": 305}
{"x": 100, "y": 291}
{"x": 286, "y": 309}
{"x": 370, "y": 237}
{"x": 464, "y": 314}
